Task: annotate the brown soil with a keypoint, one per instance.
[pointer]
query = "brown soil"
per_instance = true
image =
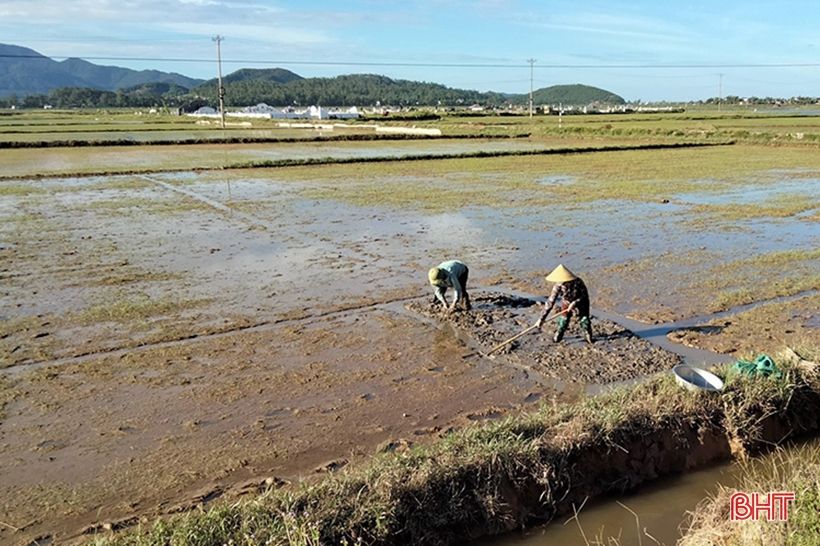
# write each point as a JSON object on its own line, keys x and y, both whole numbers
{"x": 615, "y": 355}
{"x": 166, "y": 429}
{"x": 767, "y": 328}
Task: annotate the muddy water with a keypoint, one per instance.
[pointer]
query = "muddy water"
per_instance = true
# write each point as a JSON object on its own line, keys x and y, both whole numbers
{"x": 661, "y": 507}
{"x": 527, "y": 241}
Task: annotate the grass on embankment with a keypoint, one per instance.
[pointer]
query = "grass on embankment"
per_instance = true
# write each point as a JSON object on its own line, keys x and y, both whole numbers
{"x": 523, "y": 470}
{"x": 797, "y": 471}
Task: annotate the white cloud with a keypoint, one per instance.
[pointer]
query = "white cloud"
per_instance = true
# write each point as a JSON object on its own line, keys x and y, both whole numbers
{"x": 616, "y": 25}
{"x": 270, "y": 32}
{"x": 63, "y": 11}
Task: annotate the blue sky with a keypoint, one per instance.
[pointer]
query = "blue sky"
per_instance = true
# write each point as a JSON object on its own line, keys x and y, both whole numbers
{"x": 484, "y": 32}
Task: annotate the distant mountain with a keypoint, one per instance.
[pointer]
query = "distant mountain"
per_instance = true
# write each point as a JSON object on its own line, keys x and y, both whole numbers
{"x": 24, "y": 71}
{"x": 576, "y": 94}
{"x": 111, "y": 78}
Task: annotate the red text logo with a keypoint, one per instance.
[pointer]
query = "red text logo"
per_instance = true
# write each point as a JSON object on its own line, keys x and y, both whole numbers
{"x": 753, "y": 506}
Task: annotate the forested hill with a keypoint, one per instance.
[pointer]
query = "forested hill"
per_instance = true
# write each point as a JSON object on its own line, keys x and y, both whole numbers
{"x": 353, "y": 89}
{"x": 278, "y": 87}
{"x": 576, "y": 94}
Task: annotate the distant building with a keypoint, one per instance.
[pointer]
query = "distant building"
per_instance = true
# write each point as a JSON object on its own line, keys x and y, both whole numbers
{"x": 263, "y": 111}
{"x": 260, "y": 108}
{"x": 317, "y": 112}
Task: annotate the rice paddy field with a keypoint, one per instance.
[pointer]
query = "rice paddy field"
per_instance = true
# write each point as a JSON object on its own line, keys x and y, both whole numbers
{"x": 188, "y": 324}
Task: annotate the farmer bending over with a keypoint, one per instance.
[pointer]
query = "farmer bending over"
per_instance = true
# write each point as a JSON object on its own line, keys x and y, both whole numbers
{"x": 574, "y": 297}
{"x": 451, "y": 274}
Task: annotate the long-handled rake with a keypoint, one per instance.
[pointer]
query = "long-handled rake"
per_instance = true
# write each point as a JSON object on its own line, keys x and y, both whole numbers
{"x": 522, "y": 333}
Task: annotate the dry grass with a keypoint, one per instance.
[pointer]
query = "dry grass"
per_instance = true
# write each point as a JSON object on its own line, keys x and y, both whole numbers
{"x": 18, "y": 339}
{"x": 796, "y": 470}
{"x": 7, "y": 394}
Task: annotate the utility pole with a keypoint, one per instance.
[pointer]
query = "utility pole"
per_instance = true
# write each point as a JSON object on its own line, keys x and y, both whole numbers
{"x": 221, "y": 90}
{"x": 720, "y": 90}
{"x": 532, "y": 62}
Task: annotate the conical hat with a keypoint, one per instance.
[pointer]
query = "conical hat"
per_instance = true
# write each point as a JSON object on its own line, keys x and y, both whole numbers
{"x": 561, "y": 274}
{"x": 433, "y": 275}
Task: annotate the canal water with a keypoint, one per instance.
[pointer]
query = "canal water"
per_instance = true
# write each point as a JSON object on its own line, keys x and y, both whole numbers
{"x": 660, "y": 508}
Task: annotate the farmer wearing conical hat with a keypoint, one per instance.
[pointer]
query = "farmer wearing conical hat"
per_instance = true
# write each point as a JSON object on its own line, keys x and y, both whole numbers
{"x": 451, "y": 274}
{"x": 574, "y": 298}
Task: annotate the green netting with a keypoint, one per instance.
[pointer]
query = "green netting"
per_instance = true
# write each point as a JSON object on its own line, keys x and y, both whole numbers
{"x": 762, "y": 366}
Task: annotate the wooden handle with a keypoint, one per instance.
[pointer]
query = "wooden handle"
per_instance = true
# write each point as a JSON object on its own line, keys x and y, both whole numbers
{"x": 522, "y": 333}
{"x": 527, "y": 330}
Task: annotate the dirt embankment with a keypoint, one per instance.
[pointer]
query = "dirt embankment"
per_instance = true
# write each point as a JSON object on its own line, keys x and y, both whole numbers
{"x": 616, "y": 355}
{"x": 522, "y": 471}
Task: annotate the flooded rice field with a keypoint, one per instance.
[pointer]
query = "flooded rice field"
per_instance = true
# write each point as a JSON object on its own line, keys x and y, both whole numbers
{"x": 51, "y": 161}
{"x": 173, "y": 338}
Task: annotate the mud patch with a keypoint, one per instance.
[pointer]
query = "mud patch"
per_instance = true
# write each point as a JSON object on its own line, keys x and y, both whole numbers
{"x": 616, "y": 355}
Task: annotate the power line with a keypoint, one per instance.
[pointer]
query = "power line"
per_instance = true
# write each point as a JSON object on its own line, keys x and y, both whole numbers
{"x": 423, "y": 65}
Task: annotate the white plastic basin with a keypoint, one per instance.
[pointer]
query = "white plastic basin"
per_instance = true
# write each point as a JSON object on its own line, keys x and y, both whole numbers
{"x": 697, "y": 379}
